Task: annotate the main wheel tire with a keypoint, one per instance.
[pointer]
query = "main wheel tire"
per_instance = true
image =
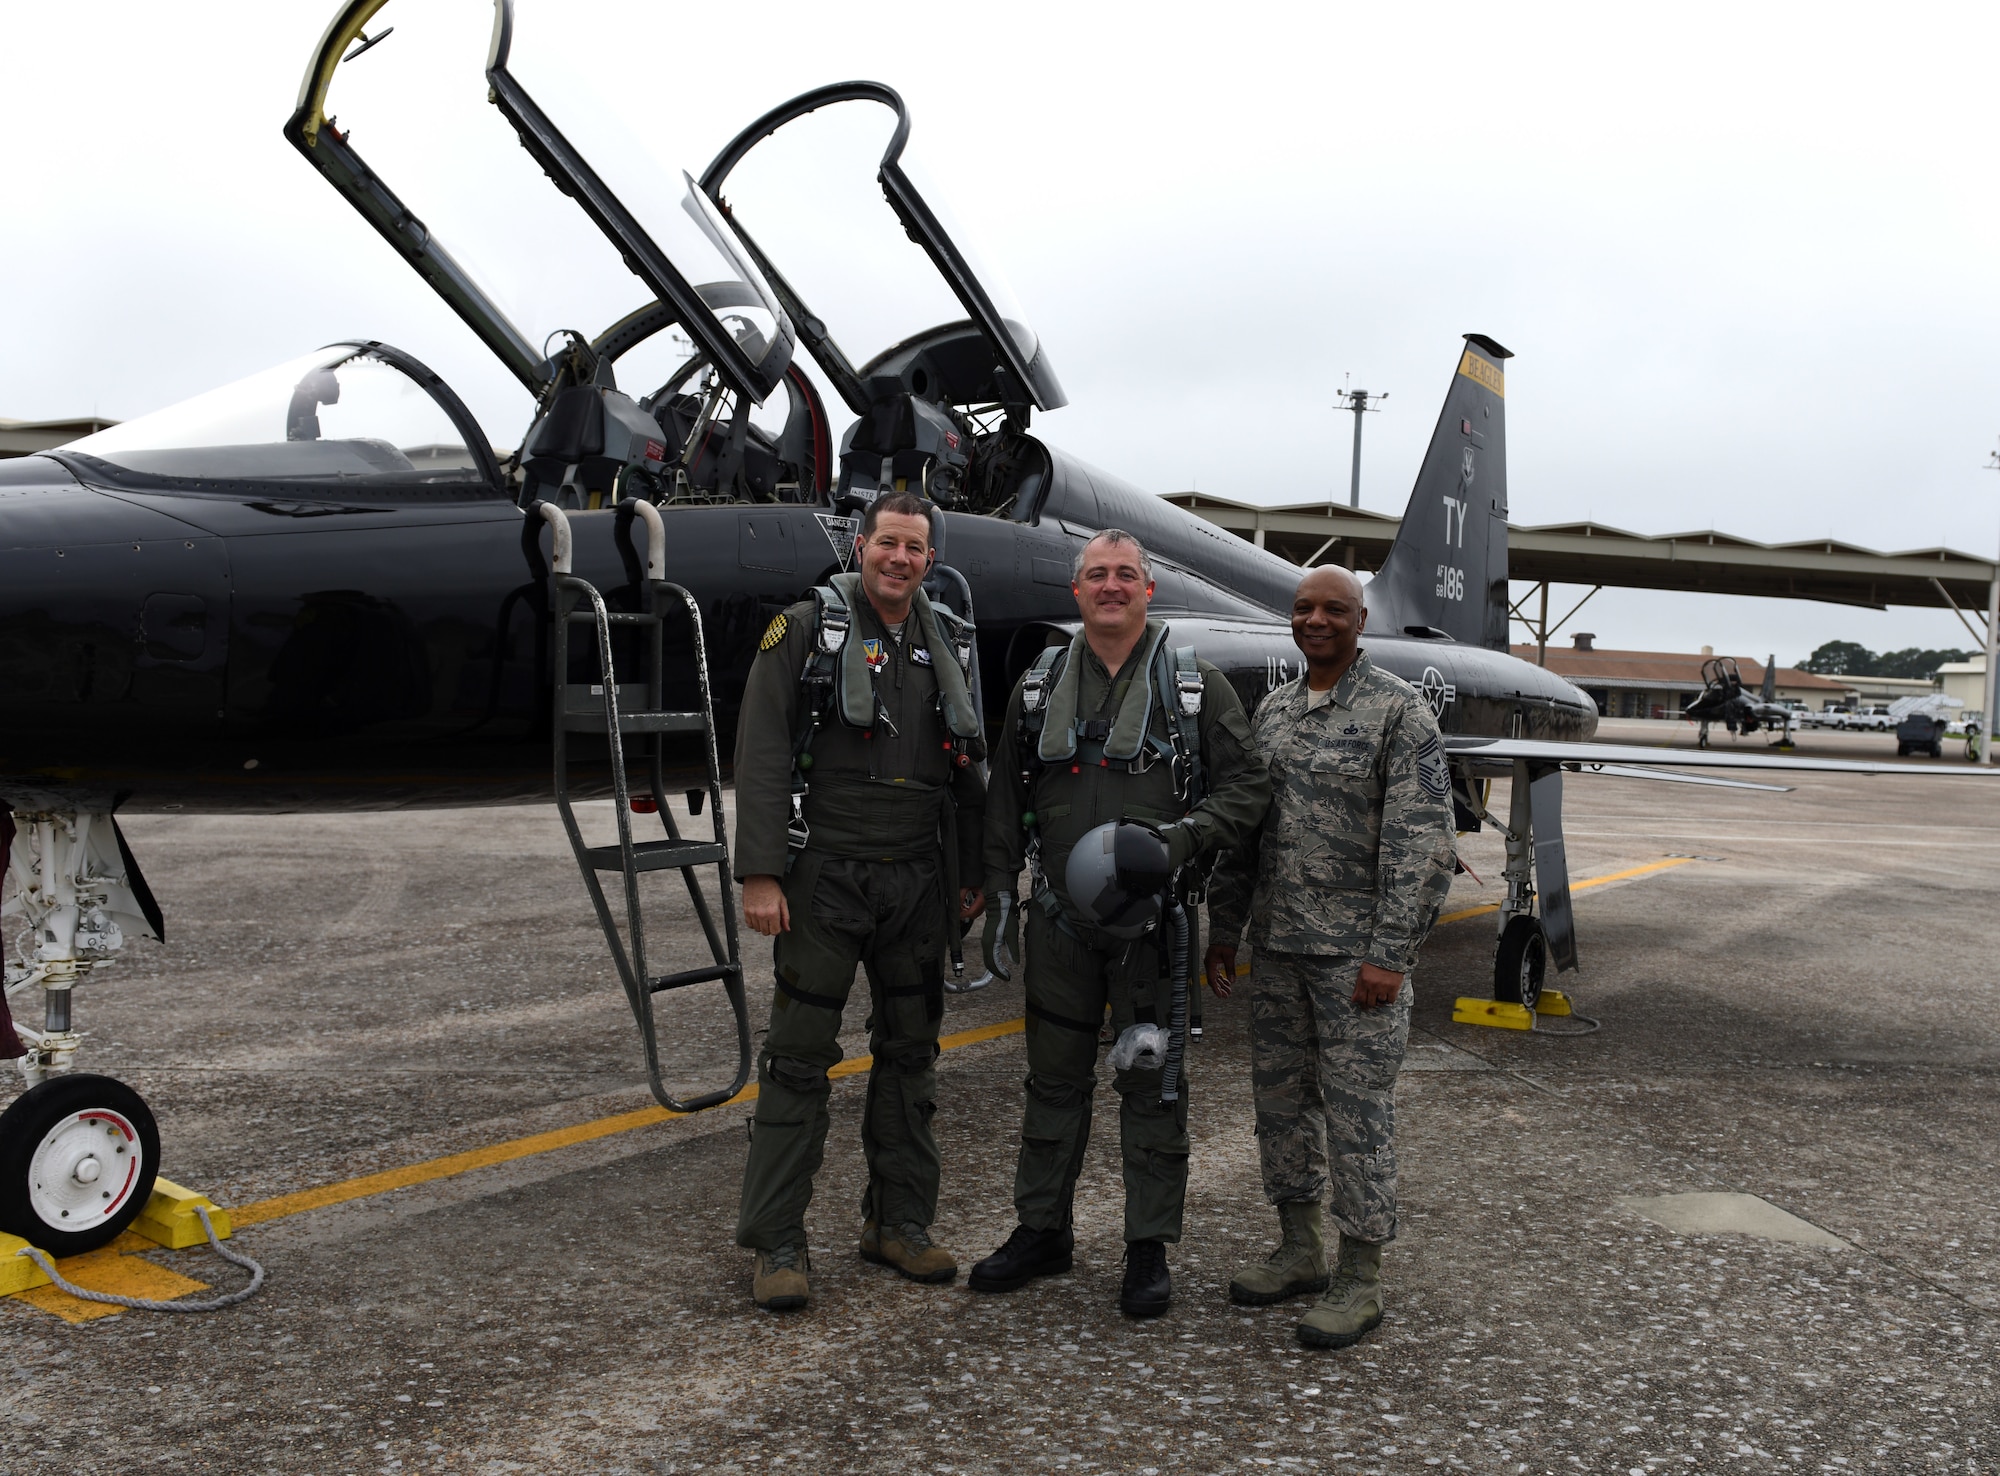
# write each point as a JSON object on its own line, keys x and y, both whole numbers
{"x": 78, "y": 1156}
{"x": 1520, "y": 962}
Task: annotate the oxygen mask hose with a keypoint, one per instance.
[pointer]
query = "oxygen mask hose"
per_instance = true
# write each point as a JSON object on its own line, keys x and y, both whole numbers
{"x": 1170, "y": 1076}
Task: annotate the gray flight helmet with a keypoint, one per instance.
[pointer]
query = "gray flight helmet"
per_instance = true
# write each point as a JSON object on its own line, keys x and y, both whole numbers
{"x": 1118, "y": 876}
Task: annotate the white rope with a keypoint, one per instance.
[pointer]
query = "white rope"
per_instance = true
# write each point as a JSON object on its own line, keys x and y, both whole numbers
{"x": 143, "y": 1304}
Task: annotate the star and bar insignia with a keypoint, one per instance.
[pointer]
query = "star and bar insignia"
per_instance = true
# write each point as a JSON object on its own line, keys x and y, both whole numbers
{"x": 773, "y": 633}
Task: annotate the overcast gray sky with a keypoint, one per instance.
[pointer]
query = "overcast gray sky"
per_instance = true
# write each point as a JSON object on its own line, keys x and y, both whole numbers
{"x": 1744, "y": 254}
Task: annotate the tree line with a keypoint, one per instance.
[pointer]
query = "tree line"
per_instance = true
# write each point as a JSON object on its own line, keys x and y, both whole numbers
{"x": 1845, "y": 658}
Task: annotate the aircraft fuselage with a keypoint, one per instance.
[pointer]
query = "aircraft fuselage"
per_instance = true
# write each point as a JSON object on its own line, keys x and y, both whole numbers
{"x": 227, "y": 652}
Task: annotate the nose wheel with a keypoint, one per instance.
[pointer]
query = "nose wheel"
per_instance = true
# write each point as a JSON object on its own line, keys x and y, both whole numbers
{"x": 1520, "y": 962}
{"x": 78, "y": 1156}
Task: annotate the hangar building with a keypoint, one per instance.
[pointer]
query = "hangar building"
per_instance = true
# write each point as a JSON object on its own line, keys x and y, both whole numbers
{"x": 1660, "y": 683}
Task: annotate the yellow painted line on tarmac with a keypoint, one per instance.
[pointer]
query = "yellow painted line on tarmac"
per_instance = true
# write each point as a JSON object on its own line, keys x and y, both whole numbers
{"x": 450, "y": 1166}
{"x": 283, "y": 1206}
{"x": 1583, "y": 886}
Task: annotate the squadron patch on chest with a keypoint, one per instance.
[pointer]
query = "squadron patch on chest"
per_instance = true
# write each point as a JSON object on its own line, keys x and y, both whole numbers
{"x": 1432, "y": 771}
{"x": 921, "y": 655}
{"x": 773, "y": 633}
{"x": 876, "y": 652}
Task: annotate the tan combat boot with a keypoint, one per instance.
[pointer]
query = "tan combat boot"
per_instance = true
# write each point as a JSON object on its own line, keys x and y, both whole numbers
{"x": 778, "y": 1278}
{"x": 908, "y": 1250}
{"x": 1297, "y": 1265}
{"x": 1352, "y": 1306}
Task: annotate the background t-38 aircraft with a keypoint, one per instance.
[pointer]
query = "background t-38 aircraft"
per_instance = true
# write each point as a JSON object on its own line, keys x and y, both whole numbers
{"x": 321, "y": 589}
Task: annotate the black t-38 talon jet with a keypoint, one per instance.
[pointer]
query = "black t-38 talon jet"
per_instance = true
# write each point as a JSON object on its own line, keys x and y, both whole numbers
{"x": 320, "y": 588}
{"x": 1724, "y": 699}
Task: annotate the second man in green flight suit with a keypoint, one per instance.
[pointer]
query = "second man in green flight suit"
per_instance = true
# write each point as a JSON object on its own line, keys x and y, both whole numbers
{"x": 1104, "y": 740}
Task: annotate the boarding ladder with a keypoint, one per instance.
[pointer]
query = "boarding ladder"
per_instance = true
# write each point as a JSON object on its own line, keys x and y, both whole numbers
{"x": 634, "y": 711}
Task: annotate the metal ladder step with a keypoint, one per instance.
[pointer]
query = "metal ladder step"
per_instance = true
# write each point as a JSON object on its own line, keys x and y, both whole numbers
{"x": 712, "y": 974}
{"x": 637, "y": 722}
{"x": 659, "y": 855}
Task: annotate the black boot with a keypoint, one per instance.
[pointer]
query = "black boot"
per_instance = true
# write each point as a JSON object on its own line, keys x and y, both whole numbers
{"x": 1148, "y": 1290}
{"x": 1026, "y": 1255}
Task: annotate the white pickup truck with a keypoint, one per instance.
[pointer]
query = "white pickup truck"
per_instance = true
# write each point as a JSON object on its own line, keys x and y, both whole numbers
{"x": 1870, "y": 720}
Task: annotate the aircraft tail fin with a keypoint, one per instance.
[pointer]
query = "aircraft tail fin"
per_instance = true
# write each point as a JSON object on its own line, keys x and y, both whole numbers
{"x": 1446, "y": 573}
{"x": 1771, "y": 677}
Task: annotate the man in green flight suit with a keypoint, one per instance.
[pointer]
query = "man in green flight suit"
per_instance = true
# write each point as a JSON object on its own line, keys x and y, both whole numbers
{"x": 1118, "y": 727}
{"x": 858, "y": 806}
{"x": 1340, "y": 887}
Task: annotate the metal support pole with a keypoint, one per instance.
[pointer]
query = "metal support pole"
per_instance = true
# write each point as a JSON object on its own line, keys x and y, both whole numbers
{"x": 1354, "y": 483}
{"x": 1542, "y": 629}
{"x": 1992, "y": 664}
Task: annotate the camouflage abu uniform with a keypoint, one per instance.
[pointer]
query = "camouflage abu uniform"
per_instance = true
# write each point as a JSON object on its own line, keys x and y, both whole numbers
{"x": 1350, "y": 867}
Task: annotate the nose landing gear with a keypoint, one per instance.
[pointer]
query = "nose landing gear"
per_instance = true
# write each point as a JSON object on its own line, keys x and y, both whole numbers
{"x": 78, "y": 1153}
{"x": 78, "y": 1156}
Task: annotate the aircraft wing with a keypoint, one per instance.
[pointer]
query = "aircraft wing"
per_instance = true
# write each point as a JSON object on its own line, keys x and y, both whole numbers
{"x": 1617, "y": 755}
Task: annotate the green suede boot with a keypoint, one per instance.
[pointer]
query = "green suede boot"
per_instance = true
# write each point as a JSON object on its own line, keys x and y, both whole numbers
{"x": 1297, "y": 1265}
{"x": 1352, "y": 1305}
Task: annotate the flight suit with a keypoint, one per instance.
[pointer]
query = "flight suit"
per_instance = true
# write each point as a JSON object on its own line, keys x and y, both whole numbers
{"x": 872, "y": 886}
{"x": 1350, "y": 866}
{"x": 1072, "y": 970}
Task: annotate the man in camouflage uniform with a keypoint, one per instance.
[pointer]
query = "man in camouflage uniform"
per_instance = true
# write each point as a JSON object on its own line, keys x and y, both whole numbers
{"x": 1340, "y": 887}
{"x": 1106, "y": 751}
{"x": 888, "y": 749}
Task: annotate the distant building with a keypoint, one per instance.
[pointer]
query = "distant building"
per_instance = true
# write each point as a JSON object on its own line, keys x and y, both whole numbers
{"x": 1660, "y": 683}
{"x": 1965, "y": 680}
{"x": 26, "y": 437}
{"x": 1882, "y": 690}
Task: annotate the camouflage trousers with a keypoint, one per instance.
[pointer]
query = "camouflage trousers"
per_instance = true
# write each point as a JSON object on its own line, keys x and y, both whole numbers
{"x": 1324, "y": 1077}
{"x": 887, "y": 917}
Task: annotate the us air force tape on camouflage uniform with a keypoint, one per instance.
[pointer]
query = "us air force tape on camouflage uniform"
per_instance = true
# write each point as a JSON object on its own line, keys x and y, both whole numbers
{"x": 1350, "y": 866}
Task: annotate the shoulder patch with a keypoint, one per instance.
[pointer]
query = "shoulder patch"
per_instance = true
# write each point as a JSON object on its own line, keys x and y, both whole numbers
{"x": 1433, "y": 773}
{"x": 773, "y": 633}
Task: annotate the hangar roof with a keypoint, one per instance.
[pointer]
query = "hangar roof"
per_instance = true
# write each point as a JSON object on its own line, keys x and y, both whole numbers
{"x": 1594, "y": 553}
{"x": 26, "y": 437}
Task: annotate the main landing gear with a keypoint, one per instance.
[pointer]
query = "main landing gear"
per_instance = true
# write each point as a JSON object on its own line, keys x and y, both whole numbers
{"x": 1536, "y": 933}
{"x": 78, "y": 1153}
{"x": 1520, "y": 962}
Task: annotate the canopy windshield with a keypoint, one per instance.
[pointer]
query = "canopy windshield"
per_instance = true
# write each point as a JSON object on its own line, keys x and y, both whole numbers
{"x": 806, "y": 185}
{"x": 355, "y": 416}
{"x": 402, "y": 126}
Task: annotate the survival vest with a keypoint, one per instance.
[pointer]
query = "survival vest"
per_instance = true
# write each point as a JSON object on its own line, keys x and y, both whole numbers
{"x": 838, "y": 684}
{"x": 1050, "y": 733}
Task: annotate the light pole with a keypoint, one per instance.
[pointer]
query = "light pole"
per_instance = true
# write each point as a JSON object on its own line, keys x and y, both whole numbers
{"x": 1357, "y": 401}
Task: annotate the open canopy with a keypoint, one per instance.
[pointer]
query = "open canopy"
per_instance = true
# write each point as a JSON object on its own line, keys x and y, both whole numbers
{"x": 544, "y": 272}
{"x": 795, "y": 185}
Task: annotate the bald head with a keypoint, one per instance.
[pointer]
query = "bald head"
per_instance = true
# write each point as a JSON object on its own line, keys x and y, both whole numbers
{"x": 1329, "y": 579}
{"x": 1328, "y": 616}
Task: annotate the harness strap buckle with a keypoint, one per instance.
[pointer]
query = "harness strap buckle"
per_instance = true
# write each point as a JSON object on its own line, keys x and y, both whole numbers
{"x": 1188, "y": 688}
{"x": 833, "y": 624}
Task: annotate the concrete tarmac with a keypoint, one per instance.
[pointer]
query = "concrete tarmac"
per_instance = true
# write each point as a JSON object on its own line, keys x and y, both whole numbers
{"x": 1805, "y": 1011}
